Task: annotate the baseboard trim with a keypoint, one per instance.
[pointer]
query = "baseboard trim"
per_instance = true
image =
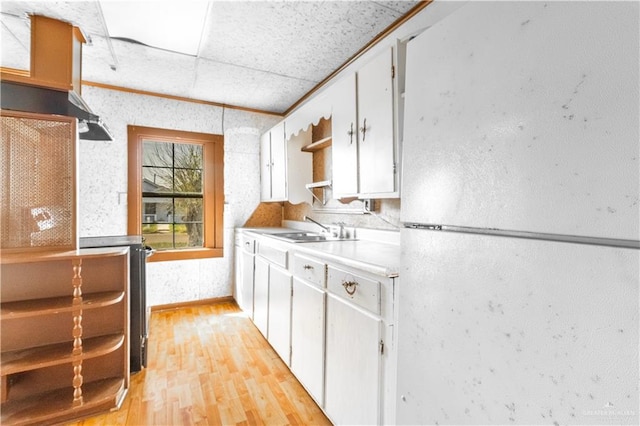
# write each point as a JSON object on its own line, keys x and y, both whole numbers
{"x": 180, "y": 305}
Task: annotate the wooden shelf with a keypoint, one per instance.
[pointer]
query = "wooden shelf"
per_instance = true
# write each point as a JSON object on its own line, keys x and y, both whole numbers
{"x": 60, "y": 353}
{"x": 97, "y": 397}
{"x": 55, "y": 305}
{"x": 58, "y": 255}
{"x": 317, "y": 145}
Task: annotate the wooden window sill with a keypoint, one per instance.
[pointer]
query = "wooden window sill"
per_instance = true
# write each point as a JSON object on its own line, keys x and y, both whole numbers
{"x": 184, "y": 254}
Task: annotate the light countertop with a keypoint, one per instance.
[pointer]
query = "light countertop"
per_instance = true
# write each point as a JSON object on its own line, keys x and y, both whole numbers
{"x": 374, "y": 255}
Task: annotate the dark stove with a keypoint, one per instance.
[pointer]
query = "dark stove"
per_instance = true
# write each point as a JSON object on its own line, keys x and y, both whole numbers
{"x": 139, "y": 312}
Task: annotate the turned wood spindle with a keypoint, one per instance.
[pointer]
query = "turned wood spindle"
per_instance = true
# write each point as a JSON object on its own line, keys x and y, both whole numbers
{"x": 77, "y": 332}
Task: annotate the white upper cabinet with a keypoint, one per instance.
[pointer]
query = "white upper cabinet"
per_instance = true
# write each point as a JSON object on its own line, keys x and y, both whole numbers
{"x": 344, "y": 123}
{"x": 365, "y": 148}
{"x": 273, "y": 165}
{"x": 375, "y": 125}
{"x": 283, "y": 167}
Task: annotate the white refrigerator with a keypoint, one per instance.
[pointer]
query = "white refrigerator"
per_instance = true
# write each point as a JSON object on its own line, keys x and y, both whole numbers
{"x": 518, "y": 289}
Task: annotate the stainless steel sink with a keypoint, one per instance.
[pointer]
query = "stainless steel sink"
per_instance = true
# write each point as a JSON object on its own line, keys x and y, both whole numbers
{"x": 308, "y": 237}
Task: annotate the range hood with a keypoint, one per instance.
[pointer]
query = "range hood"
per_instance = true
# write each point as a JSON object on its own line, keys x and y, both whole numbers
{"x": 43, "y": 100}
{"x": 53, "y": 85}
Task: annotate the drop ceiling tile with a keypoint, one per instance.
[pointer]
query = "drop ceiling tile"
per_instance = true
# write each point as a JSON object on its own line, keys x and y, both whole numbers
{"x": 84, "y": 14}
{"x": 97, "y": 58}
{"x": 305, "y": 40}
{"x": 144, "y": 68}
{"x": 217, "y": 82}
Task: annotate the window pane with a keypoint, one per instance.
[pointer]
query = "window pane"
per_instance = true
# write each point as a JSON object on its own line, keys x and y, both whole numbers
{"x": 188, "y": 181}
{"x": 158, "y": 154}
{"x": 188, "y": 219}
{"x": 157, "y": 179}
{"x": 188, "y": 156}
{"x": 188, "y": 210}
{"x": 159, "y": 240}
{"x": 157, "y": 210}
{"x": 189, "y": 235}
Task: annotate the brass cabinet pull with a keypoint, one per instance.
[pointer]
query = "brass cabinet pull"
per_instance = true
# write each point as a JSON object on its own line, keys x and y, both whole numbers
{"x": 350, "y": 287}
{"x": 350, "y": 133}
{"x": 363, "y": 129}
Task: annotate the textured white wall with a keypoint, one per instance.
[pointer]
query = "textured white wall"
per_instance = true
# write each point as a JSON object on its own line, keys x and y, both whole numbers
{"x": 103, "y": 182}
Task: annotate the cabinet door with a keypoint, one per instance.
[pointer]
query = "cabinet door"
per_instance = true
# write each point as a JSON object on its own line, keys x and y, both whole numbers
{"x": 375, "y": 125}
{"x": 307, "y": 337}
{"x": 278, "y": 164}
{"x": 245, "y": 294}
{"x": 352, "y": 394}
{"x": 344, "y": 129}
{"x": 237, "y": 275}
{"x": 280, "y": 311}
{"x": 261, "y": 295}
{"x": 265, "y": 167}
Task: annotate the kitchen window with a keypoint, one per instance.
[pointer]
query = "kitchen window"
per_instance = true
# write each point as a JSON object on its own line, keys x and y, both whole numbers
{"x": 175, "y": 193}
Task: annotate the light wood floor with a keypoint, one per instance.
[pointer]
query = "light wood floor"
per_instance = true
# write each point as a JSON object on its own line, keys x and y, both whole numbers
{"x": 210, "y": 365}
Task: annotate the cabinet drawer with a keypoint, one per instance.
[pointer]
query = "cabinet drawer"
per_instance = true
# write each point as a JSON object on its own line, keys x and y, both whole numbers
{"x": 273, "y": 254}
{"x": 309, "y": 269}
{"x": 362, "y": 291}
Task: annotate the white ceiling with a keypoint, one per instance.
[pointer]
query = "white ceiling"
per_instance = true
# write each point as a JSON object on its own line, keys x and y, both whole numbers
{"x": 264, "y": 55}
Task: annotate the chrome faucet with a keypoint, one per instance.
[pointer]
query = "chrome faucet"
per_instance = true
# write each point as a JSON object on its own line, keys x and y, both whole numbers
{"x": 307, "y": 218}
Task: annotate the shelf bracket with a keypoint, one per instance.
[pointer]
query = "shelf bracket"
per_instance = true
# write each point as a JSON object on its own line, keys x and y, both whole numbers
{"x": 324, "y": 185}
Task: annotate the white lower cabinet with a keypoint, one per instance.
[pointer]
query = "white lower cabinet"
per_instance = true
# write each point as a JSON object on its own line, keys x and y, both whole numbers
{"x": 333, "y": 326}
{"x": 245, "y": 296}
{"x": 307, "y": 337}
{"x": 261, "y": 295}
{"x": 237, "y": 272}
{"x": 272, "y": 295}
{"x": 244, "y": 273}
{"x": 279, "y": 324}
{"x": 353, "y": 362}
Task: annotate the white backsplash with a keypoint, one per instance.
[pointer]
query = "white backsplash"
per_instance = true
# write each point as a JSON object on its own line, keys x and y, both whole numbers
{"x": 102, "y": 191}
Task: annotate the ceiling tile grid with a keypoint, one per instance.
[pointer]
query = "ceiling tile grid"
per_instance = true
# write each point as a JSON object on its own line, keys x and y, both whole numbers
{"x": 256, "y": 54}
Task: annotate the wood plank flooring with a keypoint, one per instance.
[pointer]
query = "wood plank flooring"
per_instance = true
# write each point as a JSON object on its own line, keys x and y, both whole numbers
{"x": 209, "y": 365}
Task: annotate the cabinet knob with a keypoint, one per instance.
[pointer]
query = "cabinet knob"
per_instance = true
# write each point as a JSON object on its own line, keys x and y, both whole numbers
{"x": 350, "y": 287}
{"x": 307, "y": 267}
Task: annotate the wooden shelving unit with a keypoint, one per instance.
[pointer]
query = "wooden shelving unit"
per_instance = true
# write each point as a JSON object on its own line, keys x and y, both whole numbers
{"x": 321, "y": 139}
{"x": 64, "y": 337}
{"x": 317, "y": 145}
{"x": 64, "y": 316}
